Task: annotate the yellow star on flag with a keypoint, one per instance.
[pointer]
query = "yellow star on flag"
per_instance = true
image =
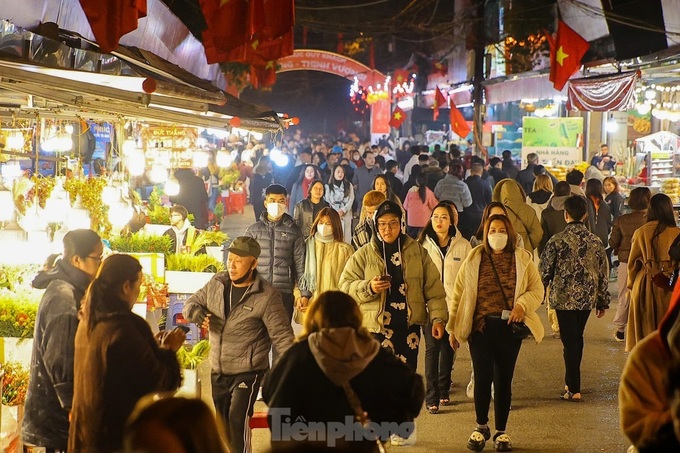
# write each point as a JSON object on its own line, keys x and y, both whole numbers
{"x": 561, "y": 55}
{"x": 397, "y": 115}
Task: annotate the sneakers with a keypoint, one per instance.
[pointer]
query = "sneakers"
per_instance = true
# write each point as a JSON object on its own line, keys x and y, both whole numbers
{"x": 470, "y": 390}
{"x": 502, "y": 442}
{"x": 478, "y": 439}
{"x": 619, "y": 336}
{"x": 555, "y": 334}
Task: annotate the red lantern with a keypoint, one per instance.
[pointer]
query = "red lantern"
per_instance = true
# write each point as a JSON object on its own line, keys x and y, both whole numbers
{"x": 235, "y": 122}
{"x": 149, "y": 85}
{"x": 295, "y": 121}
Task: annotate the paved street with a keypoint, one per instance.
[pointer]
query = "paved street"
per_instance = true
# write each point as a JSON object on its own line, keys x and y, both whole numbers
{"x": 539, "y": 421}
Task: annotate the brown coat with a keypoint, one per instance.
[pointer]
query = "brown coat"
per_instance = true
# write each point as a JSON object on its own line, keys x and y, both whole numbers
{"x": 622, "y": 233}
{"x": 115, "y": 365}
{"x": 521, "y": 215}
{"x": 648, "y": 302}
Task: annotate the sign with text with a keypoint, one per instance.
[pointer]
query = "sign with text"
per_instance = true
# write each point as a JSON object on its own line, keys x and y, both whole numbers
{"x": 557, "y": 141}
{"x": 331, "y": 63}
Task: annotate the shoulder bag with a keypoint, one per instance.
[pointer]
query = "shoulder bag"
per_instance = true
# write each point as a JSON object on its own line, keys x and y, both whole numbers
{"x": 519, "y": 329}
{"x": 361, "y": 416}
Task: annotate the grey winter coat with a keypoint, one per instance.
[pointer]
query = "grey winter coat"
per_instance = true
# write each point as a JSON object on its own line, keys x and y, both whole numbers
{"x": 453, "y": 189}
{"x": 241, "y": 342}
{"x": 50, "y": 389}
{"x": 282, "y": 260}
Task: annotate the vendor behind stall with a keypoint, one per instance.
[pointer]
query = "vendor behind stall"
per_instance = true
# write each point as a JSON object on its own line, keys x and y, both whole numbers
{"x": 603, "y": 160}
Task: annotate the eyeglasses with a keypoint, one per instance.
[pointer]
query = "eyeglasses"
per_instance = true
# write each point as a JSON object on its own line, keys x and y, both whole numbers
{"x": 96, "y": 258}
{"x": 391, "y": 225}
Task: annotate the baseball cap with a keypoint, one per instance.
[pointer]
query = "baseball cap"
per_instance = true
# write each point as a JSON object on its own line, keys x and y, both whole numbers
{"x": 388, "y": 207}
{"x": 336, "y": 149}
{"x": 245, "y": 246}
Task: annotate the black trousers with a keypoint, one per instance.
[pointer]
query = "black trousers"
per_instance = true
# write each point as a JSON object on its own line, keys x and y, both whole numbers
{"x": 439, "y": 357}
{"x": 288, "y": 305}
{"x": 234, "y": 397}
{"x": 494, "y": 354}
{"x": 572, "y": 325}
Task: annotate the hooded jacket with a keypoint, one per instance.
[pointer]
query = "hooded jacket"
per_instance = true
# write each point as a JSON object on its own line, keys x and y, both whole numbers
{"x": 241, "y": 339}
{"x": 50, "y": 389}
{"x": 528, "y": 294}
{"x": 282, "y": 260}
{"x": 425, "y": 294}
{"x": 552, "y": 220}
{"x": 521, "y": 215}
{"x": 314, "y": 370}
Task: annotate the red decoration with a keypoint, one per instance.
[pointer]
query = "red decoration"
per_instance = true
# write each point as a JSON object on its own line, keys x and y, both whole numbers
{"x": 603, "y": 94}
{"x": 398, "y": 117}
{"x": 566, "y": 51}
{"x": 439, "y": 100}
{"x": 400, "y": 76}
{"x": 149, "y": 85}
{"x": 235, "y": 122}
{"x": 111, "y": 19}
{"x": 458, "y": 123}
{"x": 295, "y": 121}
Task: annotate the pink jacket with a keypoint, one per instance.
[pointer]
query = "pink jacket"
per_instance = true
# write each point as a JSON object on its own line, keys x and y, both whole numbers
{"x": 417, "y": 212}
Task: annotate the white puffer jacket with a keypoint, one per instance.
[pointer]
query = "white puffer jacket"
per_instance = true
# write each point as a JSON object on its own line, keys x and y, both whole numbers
{"x": 528, "y": 293}
{"x": 449, "y": 265}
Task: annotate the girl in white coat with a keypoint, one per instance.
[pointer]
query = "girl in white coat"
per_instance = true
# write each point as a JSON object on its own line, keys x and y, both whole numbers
{"x": 340, "y": 195}
{"x": 448, "y": 249}
{"x": 497, "y": 285}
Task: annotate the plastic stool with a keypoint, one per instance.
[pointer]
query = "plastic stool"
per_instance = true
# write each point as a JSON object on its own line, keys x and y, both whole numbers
{"x": 175, "y": 318}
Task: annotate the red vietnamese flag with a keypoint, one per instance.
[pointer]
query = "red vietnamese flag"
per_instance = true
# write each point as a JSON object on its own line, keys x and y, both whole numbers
{"x": 400, "y": 76}
{"x": 398, "y": 117}
{"x": 439, "y": 100}
{"x": 458, "y": 123}
{"x": 566, "y": 51}
{"x": 109, "y": 20}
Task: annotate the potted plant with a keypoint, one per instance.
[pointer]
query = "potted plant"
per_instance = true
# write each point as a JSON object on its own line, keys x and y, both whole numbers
{"x": 186, "y": 273}
{"x": 212, "y": 241}
{"x": 87, "y": 192}
{"x": 195, "y": 368}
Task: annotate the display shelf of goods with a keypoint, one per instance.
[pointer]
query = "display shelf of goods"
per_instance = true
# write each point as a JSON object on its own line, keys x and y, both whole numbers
{"x": 141, "y": 242}
{"x": 88, "y": 193}
{"x": 671, "y": 187}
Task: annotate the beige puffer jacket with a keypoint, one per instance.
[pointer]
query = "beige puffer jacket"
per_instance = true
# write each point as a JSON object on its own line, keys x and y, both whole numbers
{"x": 528, "y": 294}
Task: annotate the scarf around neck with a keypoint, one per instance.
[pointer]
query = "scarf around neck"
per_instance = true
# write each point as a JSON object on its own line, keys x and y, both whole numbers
{"x": 309, "y": 278}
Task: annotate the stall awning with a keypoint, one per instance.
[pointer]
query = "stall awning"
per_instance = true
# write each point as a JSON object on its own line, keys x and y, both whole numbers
{"x": 78, "y": 80}
{"x": 528, "y": 86}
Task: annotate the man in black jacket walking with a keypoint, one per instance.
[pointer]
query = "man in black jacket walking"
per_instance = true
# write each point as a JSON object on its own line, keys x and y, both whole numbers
{"x": 481, "y": 196}
{"x": 282, "y": 262}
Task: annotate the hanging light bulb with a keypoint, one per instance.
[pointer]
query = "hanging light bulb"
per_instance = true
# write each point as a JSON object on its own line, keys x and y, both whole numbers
{"x": 136, "y": 163}
{"x": 129, "y": 146}
{"x": 158, "y": 174}
{"x": 63, "y": 141}
{"x": 223, "y": 158}
{"x": 172, "y": 186}
{"x": 15, "y": 140}
{"x": 200, "y": 159}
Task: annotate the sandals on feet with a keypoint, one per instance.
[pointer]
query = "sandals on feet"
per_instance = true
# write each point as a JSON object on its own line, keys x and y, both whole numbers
{"x": 502, "y": 442}
{"x": 478, "y": 439}
{"x": 568, "y": 396}
{"x": 434, "y": 409}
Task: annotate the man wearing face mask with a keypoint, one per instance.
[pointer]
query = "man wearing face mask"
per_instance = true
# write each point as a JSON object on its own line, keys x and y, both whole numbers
{"x": 244, "y": 315}
{"x": 282, "y": 262}
{"x": 574, "y": 264}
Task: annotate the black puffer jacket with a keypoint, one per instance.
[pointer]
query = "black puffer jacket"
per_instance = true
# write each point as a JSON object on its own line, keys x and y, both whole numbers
{"x": 50, "y": 389}
{"x": 282, "y": 260}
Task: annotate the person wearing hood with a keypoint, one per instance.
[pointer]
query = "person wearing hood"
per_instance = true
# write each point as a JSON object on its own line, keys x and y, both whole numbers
{"x": 377, "y": 276}
{"x": 448, "y": 249}
{"x": 365, "y": 230}
{"x": 181, "y": 232}
{"x": 193, "y": 196}
{"x": 498, "y": 284}
{"x": 336, "y": 356}
{"x": 282, "y": 262}
{"x": 575, "y": 179}
{"x": 620, "y": 243}
{"x": 523, "y": 217}
{"x": 50, "y": 388}
{"x": 645, "y": 409}
{"x": 244, "y": 315}
{"x": 340, "y": 196}
{"x": 552, "y": 217}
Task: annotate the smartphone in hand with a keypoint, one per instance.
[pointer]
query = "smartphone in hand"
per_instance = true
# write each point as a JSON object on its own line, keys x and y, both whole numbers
{"x": 385, "y": 278}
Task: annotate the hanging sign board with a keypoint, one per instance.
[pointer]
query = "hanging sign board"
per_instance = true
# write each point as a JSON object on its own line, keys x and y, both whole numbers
{"x": 557, "y": 141}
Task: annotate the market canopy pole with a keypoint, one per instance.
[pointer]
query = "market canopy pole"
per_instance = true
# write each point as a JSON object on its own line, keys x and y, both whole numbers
{"x": 478, "y": 77}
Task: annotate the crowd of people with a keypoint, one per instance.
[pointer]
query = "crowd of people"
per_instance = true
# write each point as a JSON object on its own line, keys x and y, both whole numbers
{"x": 369, "y": 249}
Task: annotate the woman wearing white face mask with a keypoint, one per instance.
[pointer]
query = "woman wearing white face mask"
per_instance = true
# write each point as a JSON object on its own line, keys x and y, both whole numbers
{"x": 497, "y": 285}
{"x": 325, "y": 257}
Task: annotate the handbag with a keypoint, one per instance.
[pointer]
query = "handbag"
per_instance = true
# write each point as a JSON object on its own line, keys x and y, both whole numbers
{"x": 519, "y": 329}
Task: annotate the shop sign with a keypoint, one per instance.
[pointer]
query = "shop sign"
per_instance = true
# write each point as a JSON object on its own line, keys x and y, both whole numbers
{"x": 171, "y": 137}
{"x": 557, "y": 141}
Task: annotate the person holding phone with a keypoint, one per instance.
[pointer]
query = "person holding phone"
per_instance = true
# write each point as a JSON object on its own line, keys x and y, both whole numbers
{"x": 497, "y": 276}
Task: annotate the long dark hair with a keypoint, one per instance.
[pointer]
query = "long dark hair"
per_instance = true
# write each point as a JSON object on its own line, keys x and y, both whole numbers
{"x": 79, "y": 243}
{"x": 390, "y": 194}
{"x": 311, "y": 184}
{"x": 344, "y": 183}
{"x": 102, "y": 297}
{"x": 660, "y": 210}
{"x": 594, "y": 190}
{"x": 421, "y": 182}
{"x": 494, "y": 204}
{"x": 317, "y": 173}
{"x": 336, "y": 223}
{"x": 429, "y": 231}
{"x": 512, "y": 236}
